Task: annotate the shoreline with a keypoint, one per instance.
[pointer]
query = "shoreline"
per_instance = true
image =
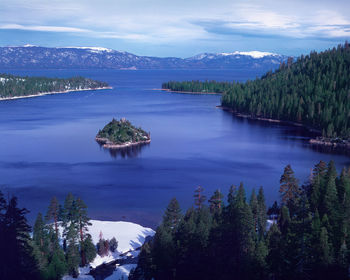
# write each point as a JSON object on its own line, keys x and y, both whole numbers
{"x": 246, "y": 116}
{"x": 318, "y": 141}
{"x": 106, "y": 143}
{"x": 50, "y": 92}
{"x": 186, "y": 92}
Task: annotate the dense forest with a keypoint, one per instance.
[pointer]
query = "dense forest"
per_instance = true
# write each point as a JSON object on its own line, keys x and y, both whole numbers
{"x": 304, "y": 236}
{"x": 197, "y": 86}
{"x": 12, "y": 86}
{"x": 314, "y": 90}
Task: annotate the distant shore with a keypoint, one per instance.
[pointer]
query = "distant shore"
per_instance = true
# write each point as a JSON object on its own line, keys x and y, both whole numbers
{"x": 106, "y": 143}
{"x": 187, "y": 92}
{"x": 51, "y": 92}
{"x": 318, "y": 141}
{"x": 268, "y": 119}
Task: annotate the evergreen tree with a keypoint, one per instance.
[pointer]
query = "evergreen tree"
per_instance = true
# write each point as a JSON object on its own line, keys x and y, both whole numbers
{"x": 113, "y": 244}
{"x": 262, "y": 217}
{"x": 275, "y": 254}
{"x": 72, "y": 252}
{"x": 83, "y": 222}
{"x": 254, "y": 208}
{"x": 216, "y": 206}
{"x": 289, "y": 188}
{"x": 57, "y": 266}
{"x": 40, "y": 239}
{"x": 101, "y": 249}
{"x": 199, "y": 198}
{"x": 53, "y": 213}
{"x": 89, "y": 249}
{"x": 16, "y": 259}
{"x": 172, "y": 216}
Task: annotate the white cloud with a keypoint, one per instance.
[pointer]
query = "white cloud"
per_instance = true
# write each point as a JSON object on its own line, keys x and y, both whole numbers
{"x": 162, "y": 21}
{"x": 42, "y": 28}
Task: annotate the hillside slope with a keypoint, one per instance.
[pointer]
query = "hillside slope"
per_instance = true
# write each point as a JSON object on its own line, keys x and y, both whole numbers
{"x": 29, "y": 57}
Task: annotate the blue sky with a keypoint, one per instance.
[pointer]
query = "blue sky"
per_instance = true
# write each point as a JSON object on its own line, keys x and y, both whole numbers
{"x": 177, "y": 28}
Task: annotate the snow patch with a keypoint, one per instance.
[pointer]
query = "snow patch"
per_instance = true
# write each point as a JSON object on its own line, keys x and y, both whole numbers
{"x": 237, "y": 54}
{"x": 122, "y": 272}
{"x": 92, "y": 49}
{"x": 130, "y": 236}
{"x": 83, "y": 271}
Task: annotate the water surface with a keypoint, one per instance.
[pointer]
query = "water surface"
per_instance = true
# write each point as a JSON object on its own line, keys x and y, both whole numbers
{"x": 47, "y": 146}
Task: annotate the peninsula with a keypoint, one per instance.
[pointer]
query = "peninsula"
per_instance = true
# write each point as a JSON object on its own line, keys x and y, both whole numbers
{"x": 13, "y": 87}
{"x": 310, "y": 91}
{"x": 121, "y": 134}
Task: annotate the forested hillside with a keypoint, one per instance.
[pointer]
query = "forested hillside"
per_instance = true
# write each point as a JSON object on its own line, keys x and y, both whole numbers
{"x": 314, "y": 90}
{"x": 304, "y": 236}
{"x": 13, "y": 86}
{"x": 197, "y": 86}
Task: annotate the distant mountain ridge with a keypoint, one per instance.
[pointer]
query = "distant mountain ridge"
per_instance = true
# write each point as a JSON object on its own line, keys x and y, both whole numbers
{"x": 29, "y": 57}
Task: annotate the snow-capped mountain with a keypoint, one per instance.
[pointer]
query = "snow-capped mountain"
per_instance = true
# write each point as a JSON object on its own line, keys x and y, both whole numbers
{"x": 237, "y": 55}
{"x": 29, "y": 57}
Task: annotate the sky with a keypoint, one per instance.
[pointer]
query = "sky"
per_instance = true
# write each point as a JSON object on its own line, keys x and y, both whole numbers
{"x": 180, "y": 28}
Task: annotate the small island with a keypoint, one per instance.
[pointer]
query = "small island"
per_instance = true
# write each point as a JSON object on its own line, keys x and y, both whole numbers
{"x": 122, "y": 134}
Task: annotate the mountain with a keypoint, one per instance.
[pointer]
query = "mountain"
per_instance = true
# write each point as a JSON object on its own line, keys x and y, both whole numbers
{"x": 29, "y": 57}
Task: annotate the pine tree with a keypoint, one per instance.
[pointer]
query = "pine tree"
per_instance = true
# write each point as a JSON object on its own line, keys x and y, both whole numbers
{"x": 199, "y": 198}
{"x": 72, "y": 252}
{"x": 216, "y": 203}
{"x": 53, "y": 213}
{"x": 343, "y": 187}
{"x": 289, "y": 188}
{"x": 325, "y": 248}
{"x": 262, "y": 218}
{"x": 83, "y": 222}
{"x": 16, "y": 258}
{"x": 172, "y": 216}
{"x": 101, "y": 250}
{"x": 57, "y": 266}
{"x": 254, "y": 207}
{"x": 231, "y": 195}
{"x": 40, "y": 239}
{"x": 275, "y": 255}
{"x": 71, "y": 233}
{"x": 113, "y": 244}
{"x": 89, "y": 249}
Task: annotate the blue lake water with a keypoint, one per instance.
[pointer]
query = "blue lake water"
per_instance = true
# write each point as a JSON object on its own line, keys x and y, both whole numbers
{"x": 47, "y": 146}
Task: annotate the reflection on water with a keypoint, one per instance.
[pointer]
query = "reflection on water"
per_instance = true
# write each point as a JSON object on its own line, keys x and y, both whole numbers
{"x": 126, "y": 152}
{"x": 331, "y": 150}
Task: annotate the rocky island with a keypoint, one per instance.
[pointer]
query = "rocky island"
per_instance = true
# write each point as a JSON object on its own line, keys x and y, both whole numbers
{"x": 122, "y": 134}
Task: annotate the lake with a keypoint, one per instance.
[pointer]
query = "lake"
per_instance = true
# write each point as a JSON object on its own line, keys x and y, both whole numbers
{"x": 48, "y": 146}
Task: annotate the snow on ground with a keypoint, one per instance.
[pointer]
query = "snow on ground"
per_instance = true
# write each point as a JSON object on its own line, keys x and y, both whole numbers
{"x": 82, "y": 275}
{"x": 122, "y": 272}
{"x": 129, "y": 236}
